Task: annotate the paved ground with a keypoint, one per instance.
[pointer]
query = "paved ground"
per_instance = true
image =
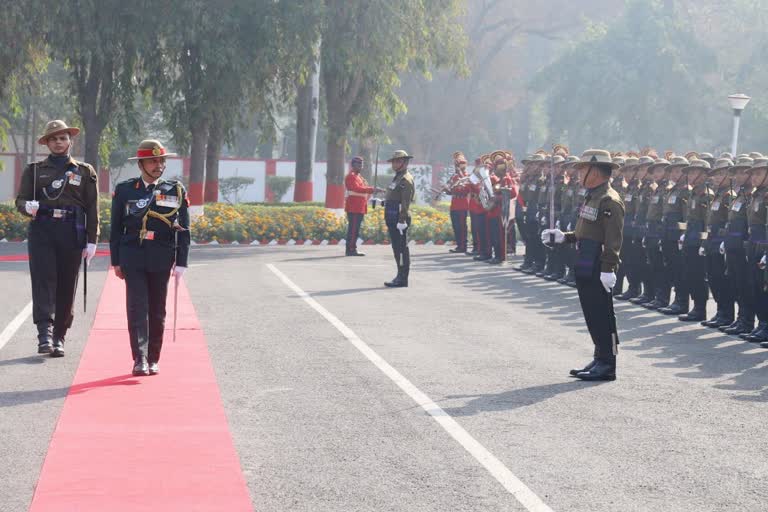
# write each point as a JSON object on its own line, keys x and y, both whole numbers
{"x": 319, "y": 427}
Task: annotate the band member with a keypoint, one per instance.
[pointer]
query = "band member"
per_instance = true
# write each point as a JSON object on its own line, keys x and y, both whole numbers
{"x": 400, "y": 195}
{"x": 598, "y": 239}
{"x": 356, "y": 203}
{"x": 480, "y": 218}
{"x": 476, "y": 212}
{"x": 458, "y": 188}
{"x": 149, "y": 240}
{"x": 498, "y": 217}
{"x": 60, "y": 194}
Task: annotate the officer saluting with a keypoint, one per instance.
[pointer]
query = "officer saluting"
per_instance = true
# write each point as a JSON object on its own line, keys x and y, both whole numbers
{"x": 149, "y": 237}
{"x": 400, "y": 195}
{"x": 598, "y": 238}
{"x": 61, "y": 196}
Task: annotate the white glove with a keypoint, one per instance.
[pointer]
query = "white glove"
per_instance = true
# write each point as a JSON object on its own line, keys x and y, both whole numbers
{"x": 401, "y": 226}
{"x": 89, "y": 252}
{"x": 763, "y": 262}
{"x": 608, "y": 279}
{"x": 681, "y": 242}
{"x": 702, "y": 251}
{"x": 722, "y": 247}
{"x": 31, "y": 207}
{"x": 682, "y": 237}
{"x": 178, "y": 272}
{"x": 559, "y": 236}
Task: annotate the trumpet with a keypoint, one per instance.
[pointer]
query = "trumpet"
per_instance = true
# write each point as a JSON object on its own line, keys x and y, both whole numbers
{"x": 449, "y": 187}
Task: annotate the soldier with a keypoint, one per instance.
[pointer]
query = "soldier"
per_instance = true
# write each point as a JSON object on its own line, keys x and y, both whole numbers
{"x": 629, "y": 267}
{"x": 737, "y": 233}
{"x": 694, "y": 267}
{"x": 758, "y": 243}
{"x": 598, "y": 238}
{"x": 646, "y": 189}
{"x": 356, "y": 203}
{"x": 620, "y": 185}
{"x": 480, "y": 218}
{"x": 475, "y": 210}
{"x": 149, "y": 240}
{"x": 458, "y": 188}
{"x": 673, "y": 221}
{"x": 400, "y": 195}
{"x": 60, "y": 194}
{"x": 546, "y": 256}
{"x": 527, "y": 211}
{"x": 504, "y": 190}
{"x": 717, "y": 218}
{"x": 654, "y": 236}
{"x": 571, "y": 202}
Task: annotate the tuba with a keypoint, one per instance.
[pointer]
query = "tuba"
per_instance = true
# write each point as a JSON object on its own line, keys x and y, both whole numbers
{"x": 480, "y": 175}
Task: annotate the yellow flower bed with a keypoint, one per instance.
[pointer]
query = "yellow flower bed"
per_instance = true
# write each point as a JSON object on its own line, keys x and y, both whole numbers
{"x": 244, "y": 223}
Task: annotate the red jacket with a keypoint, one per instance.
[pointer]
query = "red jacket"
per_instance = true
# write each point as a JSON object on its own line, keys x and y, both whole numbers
{"x": 460, "y": 194}
{"x": 474, "y": 199}
{"x": 357, "y": 193}
{"x": 506, "y": 182}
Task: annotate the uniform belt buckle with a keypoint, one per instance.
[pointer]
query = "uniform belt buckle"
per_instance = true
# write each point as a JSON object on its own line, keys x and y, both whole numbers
{"x": 59, "y": 214}
{"x": 150, "y": 235}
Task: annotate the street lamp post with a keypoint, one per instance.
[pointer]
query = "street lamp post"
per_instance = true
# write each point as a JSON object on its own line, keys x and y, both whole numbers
{"x": 738, "y": 104}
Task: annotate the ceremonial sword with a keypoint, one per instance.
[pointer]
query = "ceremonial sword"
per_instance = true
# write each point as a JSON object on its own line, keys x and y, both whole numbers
{"x": 552, "y": 199}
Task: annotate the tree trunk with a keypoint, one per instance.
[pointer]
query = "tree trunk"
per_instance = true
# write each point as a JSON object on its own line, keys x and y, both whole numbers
{"x": 199, "y": 131}
{"x": 93, "y": 130}
{"x": 334, "y": 189}
{"x": 212, "y": 156}
{"x": 367, "y": 152}
{"x": 307, "y": 117}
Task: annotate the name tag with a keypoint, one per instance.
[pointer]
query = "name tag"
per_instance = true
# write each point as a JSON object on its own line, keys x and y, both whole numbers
{"x": 75, "y": 179}
{"x": 715, "y": 206}
{"x": 655, "y": 199}
{"x": 533, "y": 188}
{"x": 59, "y": 214}
{"x": 392, "y": 185}
{"x": 628, "y": 197}
{"x": 150, "y": 235}
{"x": 672, "y": 199}
{"x": 588, "y": 213}
{"x": 166, "y": 201}
{"x": 736, "y": 206}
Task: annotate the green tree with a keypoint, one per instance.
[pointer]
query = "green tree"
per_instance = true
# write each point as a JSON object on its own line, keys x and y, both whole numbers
{"x": 100, "y": 48}
{"x": 366, "y": 47}
{"x": 639, "y": 82}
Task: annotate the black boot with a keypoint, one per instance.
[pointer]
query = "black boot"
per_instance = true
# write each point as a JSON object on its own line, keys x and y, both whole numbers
{"x": 632, "y": 292}
{"x": 760, "y": 326}
{"x": 58, "y": 346}
{"x": 577, "y": 371}
{"x": 677, "y": 308}
{"x": 603, "y": 370}
{"x": 715, "y": 319}
{"x": 44, "y": 338}
{"x": 140, "y": 367}
{"x": 697, "y": 314}
{"x": 642, "y": 299}
{"x": 398, "y": 281}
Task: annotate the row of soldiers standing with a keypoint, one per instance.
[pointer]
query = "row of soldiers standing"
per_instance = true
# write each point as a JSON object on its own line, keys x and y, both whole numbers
{"x": 693, "y": 224}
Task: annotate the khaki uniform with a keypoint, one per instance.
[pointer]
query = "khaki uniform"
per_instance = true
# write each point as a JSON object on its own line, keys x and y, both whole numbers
{"x": 67, "y": 220}
{"x": 400, "y": 195}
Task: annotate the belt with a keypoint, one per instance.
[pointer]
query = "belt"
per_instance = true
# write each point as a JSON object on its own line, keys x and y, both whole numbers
{"x": 67, "y": 213}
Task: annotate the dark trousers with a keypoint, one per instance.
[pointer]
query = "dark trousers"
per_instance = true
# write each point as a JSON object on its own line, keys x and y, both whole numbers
{"x": 400, "y": 248}
{"x": 718, "y": 281}
{"x": 597, "y": 305}
{"x": 512, "y": 237}
{"x": 475, "y": 226}
{"x": 145, "y": 295}
{"x": 497, "y": 237}
{"x": 354, "y": 221}
{"x": 759, "y": 286}
{"x": 644, "y": 274}
{"x": 534, "y": 245}
{"x": 54, "y": 266}
{"x": 661, "y": 282}
{"x": 480, "y": 229}
{"x": 459, "y": 223}
{"x": 673, "y": 272}
{"x": 694, "y": 282}
{"x": 739, "y": 274}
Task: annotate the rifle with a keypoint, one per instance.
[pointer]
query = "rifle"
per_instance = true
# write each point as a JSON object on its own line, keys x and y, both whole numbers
{"x": 552, "y": 199}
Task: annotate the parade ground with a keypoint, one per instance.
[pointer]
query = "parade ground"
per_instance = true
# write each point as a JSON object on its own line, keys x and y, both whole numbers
{"x": 298, "y": 382}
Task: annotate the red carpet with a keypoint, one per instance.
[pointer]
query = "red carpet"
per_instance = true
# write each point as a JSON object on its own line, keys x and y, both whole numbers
{"x": 158, "y": 443}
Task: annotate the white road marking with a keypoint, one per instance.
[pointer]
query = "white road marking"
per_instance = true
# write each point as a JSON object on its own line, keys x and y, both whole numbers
{"x": 12, "y": 327}
{"x": 495, "y": 467}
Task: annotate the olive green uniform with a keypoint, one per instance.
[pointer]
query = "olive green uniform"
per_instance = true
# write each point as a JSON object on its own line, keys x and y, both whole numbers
{"x": 400, "y": 195}
{"x": 598, "y": 237}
